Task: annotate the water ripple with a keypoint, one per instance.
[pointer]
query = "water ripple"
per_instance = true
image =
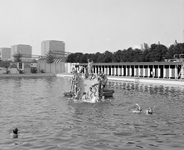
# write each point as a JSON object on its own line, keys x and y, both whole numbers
{"x": 46, "y": 120}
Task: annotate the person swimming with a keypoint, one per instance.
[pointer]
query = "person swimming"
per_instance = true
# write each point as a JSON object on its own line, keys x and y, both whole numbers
{"x": 149, "y": 111}
{"x": 14, "y": 133}
{"x": 84, "y": 96}
{"x": 138, "y": 109}
{"x": 89, "y": 97}
{"x": 91, "y": 93}
{"x": 76, "y": 95}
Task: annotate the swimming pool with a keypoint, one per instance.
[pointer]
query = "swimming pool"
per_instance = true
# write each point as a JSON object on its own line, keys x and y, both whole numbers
{"x": 46, "y": 120}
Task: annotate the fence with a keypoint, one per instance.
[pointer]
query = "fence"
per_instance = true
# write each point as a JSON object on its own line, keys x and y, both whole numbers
{"x": 59, "y": 67}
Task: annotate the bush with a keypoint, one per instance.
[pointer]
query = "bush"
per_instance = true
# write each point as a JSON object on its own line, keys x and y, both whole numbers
{"x": 34, "y": 70}
{"x": 21, "y": 71}
{"x": 42, "y": 71}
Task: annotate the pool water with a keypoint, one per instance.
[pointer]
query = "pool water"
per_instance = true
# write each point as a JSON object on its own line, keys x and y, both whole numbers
{"x": 48, "y": 121}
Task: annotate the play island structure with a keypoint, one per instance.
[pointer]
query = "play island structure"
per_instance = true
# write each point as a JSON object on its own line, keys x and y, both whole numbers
{"x": 89, "y": 87}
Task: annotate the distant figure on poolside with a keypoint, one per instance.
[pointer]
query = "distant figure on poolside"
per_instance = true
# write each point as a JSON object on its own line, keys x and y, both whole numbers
{"x": 138, "y": 109}
{"x": 14, "y": 133}
{"x": 90, "y": 67}
{"x": 104, "y": 79}
{"x": 152, "y": 74}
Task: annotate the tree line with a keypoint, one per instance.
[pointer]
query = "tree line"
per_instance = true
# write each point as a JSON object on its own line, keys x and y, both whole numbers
{"x": 154, "y": 52}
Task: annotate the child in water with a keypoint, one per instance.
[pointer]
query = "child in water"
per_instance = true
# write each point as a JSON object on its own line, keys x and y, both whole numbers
{"x": 76, "y": 95}
{"x": 84, "y": 96}
{"x": 92, "y": 95}
{"x": 149, "y": 111}
{"x": 138, "y": 109}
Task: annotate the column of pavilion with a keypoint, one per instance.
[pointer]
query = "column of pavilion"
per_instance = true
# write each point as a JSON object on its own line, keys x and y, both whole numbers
{"x": 144, "y": 71}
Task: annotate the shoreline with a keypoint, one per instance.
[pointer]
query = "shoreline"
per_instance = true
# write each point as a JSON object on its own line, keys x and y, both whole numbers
{"x": 27, "y": 75}
{"x": 175, "y": 82}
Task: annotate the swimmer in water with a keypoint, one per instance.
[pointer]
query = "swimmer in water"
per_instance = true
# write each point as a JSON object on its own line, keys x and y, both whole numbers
{"x": 84, "y": 96}
{"x": 76, "y": 95}
{"x": 14, "y": 133}
{"x": 91, "y": 93}
{"x": 138, "y": 109}
{"x": 94, "y": 97}
{"x": 149, "y": 111}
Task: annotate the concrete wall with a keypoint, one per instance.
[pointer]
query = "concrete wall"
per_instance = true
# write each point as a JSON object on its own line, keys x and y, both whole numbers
{"x": 25, "y": 66}
{"x": 51, "y": 68}
{"x": 60, "y": 67}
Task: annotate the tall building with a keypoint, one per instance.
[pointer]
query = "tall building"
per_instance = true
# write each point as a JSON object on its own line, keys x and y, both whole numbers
{"x": 5, "y": 53}
{"x": 56, "y": 47}
{"x": 25, "y": 50}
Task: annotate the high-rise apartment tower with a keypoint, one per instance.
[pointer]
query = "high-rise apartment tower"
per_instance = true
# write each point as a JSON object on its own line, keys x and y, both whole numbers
{"x": 52, "y": 46}
{"x": 25, "y": 50}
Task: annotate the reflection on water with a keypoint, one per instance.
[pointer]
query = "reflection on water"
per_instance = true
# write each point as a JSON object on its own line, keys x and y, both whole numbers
{"x": 47, "y": 120}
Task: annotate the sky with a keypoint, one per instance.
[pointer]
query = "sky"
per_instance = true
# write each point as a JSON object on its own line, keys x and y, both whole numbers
{"x": 91, "y": 26}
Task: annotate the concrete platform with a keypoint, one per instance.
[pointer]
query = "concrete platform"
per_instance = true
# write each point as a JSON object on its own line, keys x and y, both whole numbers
{"x": 176, "y": 82}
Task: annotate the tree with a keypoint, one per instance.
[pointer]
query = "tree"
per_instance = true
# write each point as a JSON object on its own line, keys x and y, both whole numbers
{"x": 71, "y": 58}
{"x": 171, "y": 52}
{"x": 129, "y": 53}
{"x": 157, "y": 52}
{"x": 177, "y": 48}
{"x": 117, "y": 56}
{"x": 17, "y": 57}
{"x": 146, "y": 56}
{"x": 99, "y": 57}
{"x": 93, "y": 58}
{"x": 78, "y": 57}
{"x": 84, "y": 58}
{"x": 107, "y": 57}
{"x": 50, "y": 57}
{"x": 137, "y": 55}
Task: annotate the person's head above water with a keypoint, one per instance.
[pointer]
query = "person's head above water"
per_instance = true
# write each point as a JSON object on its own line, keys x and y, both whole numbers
{"x": 14, "y": 133}
{"x": 150, "y": 111}
{"x": 138, "y": 107}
